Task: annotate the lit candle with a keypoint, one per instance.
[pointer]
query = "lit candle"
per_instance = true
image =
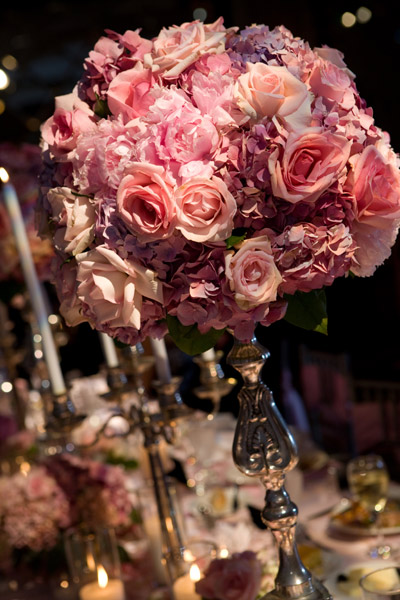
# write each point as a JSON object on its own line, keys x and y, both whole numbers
{"x": 184, "y": 587}
{"x": 103, "y": 588}
{"x": 161, "y": 360}
{"x": 208, "y": 355}
{"x": 33, "y": 285}
{"x": 109, "y": 350}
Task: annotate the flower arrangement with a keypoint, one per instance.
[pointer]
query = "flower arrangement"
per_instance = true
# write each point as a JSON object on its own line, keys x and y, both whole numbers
{"x": 212, "y": 178}
{"x": 238, "y": 577}
{"x": 62, "y": 492}
{"x": 23, "y": 164}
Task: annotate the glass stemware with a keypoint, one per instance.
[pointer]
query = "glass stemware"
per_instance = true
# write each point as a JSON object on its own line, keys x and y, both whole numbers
{"x": 383, "y": 584}
{"x": 368, "y": 480}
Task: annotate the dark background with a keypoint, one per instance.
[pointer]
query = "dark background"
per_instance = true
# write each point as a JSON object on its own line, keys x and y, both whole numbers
{"x": 51, "y": 39}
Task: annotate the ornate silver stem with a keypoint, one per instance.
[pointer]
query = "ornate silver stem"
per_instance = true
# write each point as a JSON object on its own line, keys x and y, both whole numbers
{"x": 263, "y": 447}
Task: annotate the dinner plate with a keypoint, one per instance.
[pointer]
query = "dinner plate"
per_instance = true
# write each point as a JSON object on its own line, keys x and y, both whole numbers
{"x": 354, "y": 593}
{"x": 360, "y": 530}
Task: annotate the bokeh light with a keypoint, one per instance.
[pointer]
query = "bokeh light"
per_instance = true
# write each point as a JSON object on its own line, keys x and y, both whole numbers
{"x": 348, "y": 19}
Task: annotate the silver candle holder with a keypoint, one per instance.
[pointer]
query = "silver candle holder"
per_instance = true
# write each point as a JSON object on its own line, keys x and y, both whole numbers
{"x": 213, "y": 383}
{"x": 263, "y": 447}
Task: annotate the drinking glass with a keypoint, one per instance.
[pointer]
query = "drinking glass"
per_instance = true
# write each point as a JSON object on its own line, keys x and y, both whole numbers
{"x": 368, "y": 480}
{"x": 383, "y": 584}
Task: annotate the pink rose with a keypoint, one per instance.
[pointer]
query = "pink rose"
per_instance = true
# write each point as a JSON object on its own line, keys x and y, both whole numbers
{"x": 375, "y": 183}
{"x": 145, "y": 202}
{"x": 176, "y": 48}
{"x": 265, "y": 91}
{"x": 75, "y": 217}
{"x": 111, "y": 288}
{"x": 235, "y": 578}
{"x": 128, "y": 94}
{"x": 205, "y": 210}
{"x": 61, "y": 130}
{"x": 309, "y": 163}
{"x": 252, "y": 273}
{"x": 329, "y": 81}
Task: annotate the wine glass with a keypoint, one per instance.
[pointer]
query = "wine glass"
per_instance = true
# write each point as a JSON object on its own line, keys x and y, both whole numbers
{"x": 383, "y": 584}
{"x": 368, "y": 480}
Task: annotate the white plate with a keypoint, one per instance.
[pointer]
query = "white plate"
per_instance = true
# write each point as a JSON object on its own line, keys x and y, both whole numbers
{"x": 360, "y": 530}
{"x": 331, "y": 582}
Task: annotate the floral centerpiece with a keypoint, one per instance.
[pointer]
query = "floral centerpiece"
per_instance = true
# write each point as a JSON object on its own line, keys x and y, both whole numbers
{"x": 39, "y": 504}
{"x": 212, "y": 178}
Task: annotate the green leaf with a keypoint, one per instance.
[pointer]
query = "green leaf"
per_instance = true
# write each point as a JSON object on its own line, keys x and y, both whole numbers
{"x": 189, "y": 339}
{"x": 101, "y": 108}
{"x": 120, "y": 344}
{"x": 135, "y": 516}
{"x": 308, "y": 310}
{"x": 234, "y": 239}
{"x": 238, "y": 235}
{"x": 126, "y": 463}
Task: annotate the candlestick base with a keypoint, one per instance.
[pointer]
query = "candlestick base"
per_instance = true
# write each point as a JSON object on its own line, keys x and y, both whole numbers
{"x": 63, "y": 418}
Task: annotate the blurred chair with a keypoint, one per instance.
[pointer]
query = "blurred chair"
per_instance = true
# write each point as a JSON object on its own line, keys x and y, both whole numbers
{"x": 349, "y": 416}
{"x": 327, "y": 394}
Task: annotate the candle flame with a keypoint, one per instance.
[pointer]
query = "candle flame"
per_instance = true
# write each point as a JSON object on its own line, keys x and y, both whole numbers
{"x": 102, "y": 576}
{"x": 194, "y": 573}
{"x": 4, "y": 175}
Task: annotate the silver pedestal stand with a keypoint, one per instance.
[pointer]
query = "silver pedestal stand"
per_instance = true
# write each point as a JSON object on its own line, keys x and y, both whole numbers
{"x": 263, "y": 447}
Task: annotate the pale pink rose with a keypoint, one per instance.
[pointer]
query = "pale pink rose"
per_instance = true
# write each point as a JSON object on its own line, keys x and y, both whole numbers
{"x": 75, "y": 217}
{"x": 111, "y": 288}
{"x": 374, "y": 246}
{"x": 234, "y": 578}
{"x": 252, "y": 273}
{"x": 177, "y": 47}
{"x": 375, "y": 184}
{"x": 145, "y": 201}
{"x": 309, "y": 163}
{"x": 205, "y": 210}
{"x": 128, "y": 94}
{"x": 61, "y": 130}
{"x": 329, "y": 81}
{"x": 265, "y": 91}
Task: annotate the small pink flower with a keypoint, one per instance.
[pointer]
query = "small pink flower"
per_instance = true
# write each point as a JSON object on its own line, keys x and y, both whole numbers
{"x": 252, "y": 273}
{"x": 205, "y": 210}
{"x": 145, "y": 201}
{"x": 176, "y": 48}
{"x": 111, "y": 289}
{"x": 61, "y": 130}
{"x": 308, "y": 164}
{"x": 375, "y": 183}
{"x": 235, "y": 578}
{"x": 265, "y": 91}
{"x": 64, "y": 278}
{"x": 128, "y": 94}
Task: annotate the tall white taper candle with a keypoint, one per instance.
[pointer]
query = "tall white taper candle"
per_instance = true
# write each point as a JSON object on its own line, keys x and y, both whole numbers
{"x": 36, "y": 297}
{"x": 109, "y": 350}
{"x": 208, "y": 355}
{"x": 161, "y": 360}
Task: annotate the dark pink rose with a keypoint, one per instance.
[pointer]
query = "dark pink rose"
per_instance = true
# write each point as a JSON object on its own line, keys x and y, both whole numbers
{"x": 308, "y": 164}
{"x": 235, "y": 578}
{"x": 128, "y": 94}
{"x": 145, "y": 201}
{"x": 61, "y": 130}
